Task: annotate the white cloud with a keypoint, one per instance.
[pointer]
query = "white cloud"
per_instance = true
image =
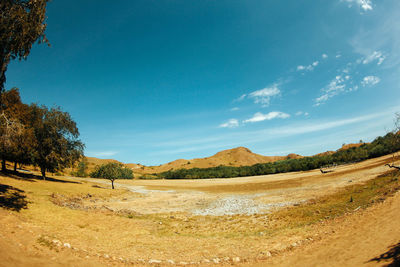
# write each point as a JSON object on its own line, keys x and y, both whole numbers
{"x": 232, "y": 123}
{"x": 103, "y": 153}
{"x": 382, "y": 35}
{"x": 363, "y": 4}
{"x": 335, "y": 87}
{"x": 299, "y": 113}
{"x": 370, "y": 80}
{"x": 308, "y": 67}
{"x": 263, "y": 96}
{"x": 376, "y": 55}
{"x": 241, "y": 98}
{"x": 234, "y": 109}
{"x": 234, "y": 138}
{"x": 269, "y": 116}
{"x": 324, "y": 56}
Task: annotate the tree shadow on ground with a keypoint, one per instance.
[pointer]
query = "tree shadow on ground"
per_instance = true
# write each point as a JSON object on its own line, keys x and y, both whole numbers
{"x": 30, "y": 177}
{"x": 392, "y": 256}
{"x": 12, "y": 198}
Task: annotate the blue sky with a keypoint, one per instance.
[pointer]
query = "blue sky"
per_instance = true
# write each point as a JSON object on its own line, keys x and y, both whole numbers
{"x": 150, "y": 81}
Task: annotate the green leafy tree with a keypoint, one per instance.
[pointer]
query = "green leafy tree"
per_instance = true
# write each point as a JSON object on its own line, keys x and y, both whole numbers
{"x": 112, "y": 171}
{"x": 22, "y": 23}
{"x": 81, "y": 169}
{"x": 56, "y": 143}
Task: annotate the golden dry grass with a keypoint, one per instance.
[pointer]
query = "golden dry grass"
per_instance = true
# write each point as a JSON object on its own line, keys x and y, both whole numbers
{"x": 178, "y": 236}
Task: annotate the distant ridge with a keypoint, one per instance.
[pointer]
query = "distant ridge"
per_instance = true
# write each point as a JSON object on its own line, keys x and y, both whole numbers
{"x": 239, "y": 156}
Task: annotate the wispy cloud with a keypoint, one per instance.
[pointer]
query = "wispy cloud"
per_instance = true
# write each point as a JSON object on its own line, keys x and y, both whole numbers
{"x": 376, "y": 55}
{"x": 383, "y": 35}
{"x": 264, "y": 96}
{"x": 240, "y": 98}
{"x": 102, "y": 153}
{"x": 232, "y": 123}
{"x": 269, "y": 116}
{"x": 324, "y": 56}
{"x": 308, "y": 67}
{"x": 300, "y": 113}
{"x": 335, "y": 87}
{"x": 363, "y": 4}
{"x": 233, "y": 139}
{"x": 234, "y": 109}
{"x": 370, "y": 81}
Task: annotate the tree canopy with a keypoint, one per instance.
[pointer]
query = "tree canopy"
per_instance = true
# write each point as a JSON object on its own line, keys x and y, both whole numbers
{"x": 22, "y": 23}
{"x": 112, "y": 171}
{"x": 56, "y": 135}
{"x": 37, "y": 135}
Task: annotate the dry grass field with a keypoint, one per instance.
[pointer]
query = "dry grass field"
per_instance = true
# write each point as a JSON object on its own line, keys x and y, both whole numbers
{"x": 347, "y": 217}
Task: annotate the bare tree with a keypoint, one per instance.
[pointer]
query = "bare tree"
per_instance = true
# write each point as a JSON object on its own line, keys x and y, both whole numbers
{"x": 396, "y": 140}
{"x": 10, "y": 129}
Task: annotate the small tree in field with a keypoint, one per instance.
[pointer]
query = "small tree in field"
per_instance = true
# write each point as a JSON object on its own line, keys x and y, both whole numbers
{"x": 112, "y": 171}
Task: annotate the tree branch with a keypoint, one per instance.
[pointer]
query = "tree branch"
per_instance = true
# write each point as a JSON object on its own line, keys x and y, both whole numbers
{"x": 393, "y": 166}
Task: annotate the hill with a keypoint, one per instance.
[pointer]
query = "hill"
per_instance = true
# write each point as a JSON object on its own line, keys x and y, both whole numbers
{"x": 240, "y": 156}
{"x": 236, "y": 157}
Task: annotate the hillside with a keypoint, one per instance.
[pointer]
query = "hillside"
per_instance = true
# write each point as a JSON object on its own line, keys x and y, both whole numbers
{"x": 239, "y": 156}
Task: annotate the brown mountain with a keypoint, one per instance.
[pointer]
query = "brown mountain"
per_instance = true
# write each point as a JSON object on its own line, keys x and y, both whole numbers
{"x": 239, "y": 156}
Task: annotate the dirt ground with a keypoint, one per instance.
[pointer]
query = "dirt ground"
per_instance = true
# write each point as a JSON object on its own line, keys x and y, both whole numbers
{"x": 81, "y": 222}
{"x": 245, "y": 195}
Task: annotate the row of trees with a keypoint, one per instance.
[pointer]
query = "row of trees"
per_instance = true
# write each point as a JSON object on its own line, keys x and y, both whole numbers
{"x": 379, "y": 147}
{"x": 37, "y": 135}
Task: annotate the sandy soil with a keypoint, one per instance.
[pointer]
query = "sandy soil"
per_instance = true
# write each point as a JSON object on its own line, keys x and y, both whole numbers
{"x": 246, "y": 195}
{"x": 170, "y": 226}
{"x": 361, "y": 239}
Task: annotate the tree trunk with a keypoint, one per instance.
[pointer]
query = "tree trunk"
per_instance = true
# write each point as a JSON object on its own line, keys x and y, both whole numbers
{"x": 112, "y": 184}
{"x": 3, "y": 165}
{"x": 43, "y": 171}
{"x": 15, "y": 166}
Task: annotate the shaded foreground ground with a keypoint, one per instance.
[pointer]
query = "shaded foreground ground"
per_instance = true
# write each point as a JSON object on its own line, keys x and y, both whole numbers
{"x": 348, "y": 217}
